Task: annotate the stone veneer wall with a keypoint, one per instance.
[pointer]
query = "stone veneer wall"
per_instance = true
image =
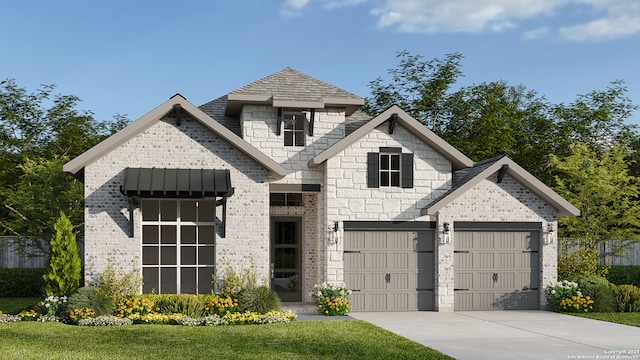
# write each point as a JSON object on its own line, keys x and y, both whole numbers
{"x": 349, "y": 198}
{"x": 508, "y": 201}
{"x": 190, "y": 145}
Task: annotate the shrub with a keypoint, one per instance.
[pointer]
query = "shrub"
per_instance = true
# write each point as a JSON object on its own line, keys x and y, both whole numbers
{"x": 599, "y": 289}
{"x": 54, "y": 306}
{"x": 90, "y": 297}
{"x": 118, "y": 285}
{"x": 21, "y": 282}
{"x": 583, "y": 261}
{"x": 577, "y": 303}
{"x": 624, "y": 274}
{"x": 185, "y": 304}
{"x": 627, "y": 297}
{"x": 134, "y": 305}
{"x": 258, "y": 299}
{"x": 219, "y": 305}
{"x": 231, "y": 282}
{"x": 76, "y": 315}
{"x": 558, "y": 292}
{"x": 64, "y": 269}
{"x": 332, "y": 299}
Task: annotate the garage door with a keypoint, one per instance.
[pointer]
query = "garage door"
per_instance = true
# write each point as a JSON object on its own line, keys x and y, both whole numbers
{"x": 496, "y": 268}
{"x": 389, "y": 270}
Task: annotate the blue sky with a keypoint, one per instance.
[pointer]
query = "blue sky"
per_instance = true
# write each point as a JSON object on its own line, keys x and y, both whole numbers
{"x": 128, "y": 57}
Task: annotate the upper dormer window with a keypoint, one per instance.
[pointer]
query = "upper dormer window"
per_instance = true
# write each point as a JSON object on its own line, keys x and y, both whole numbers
{"x": 293, "y": 129}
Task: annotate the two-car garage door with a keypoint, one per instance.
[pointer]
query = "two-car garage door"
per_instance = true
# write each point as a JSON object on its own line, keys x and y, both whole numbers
{"x": 393, "y": 268}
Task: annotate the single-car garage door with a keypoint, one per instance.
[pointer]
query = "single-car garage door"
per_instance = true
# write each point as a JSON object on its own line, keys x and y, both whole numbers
{"x": 496, "y": 266}
{"x": 388, "y": 266}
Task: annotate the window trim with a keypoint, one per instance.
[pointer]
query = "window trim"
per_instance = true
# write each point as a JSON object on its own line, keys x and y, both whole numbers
{"x": 294, "y": 131}
{"x": 374, "y": 170}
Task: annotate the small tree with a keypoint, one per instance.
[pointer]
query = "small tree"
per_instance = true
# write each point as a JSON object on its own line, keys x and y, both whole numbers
{"x": 64, "y": 269}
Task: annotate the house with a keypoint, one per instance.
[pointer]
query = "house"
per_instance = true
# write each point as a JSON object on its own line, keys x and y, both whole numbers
{"x": 288, "y": 173}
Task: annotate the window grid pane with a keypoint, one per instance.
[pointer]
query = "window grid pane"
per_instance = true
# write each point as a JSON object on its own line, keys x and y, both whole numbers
{"x": 390, "y": 170}
{"x": 178, "y": 246}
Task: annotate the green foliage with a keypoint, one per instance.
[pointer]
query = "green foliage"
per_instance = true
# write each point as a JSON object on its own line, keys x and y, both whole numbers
{"x": 624, "y": 274}
{"x": 90, "y": 297}
{"x": 117, "y": 284}
{"x": 64, "y": 269}
{"x": 40, "y": 131}
{"x": 185, "y": 304}
{"x": 21, "y": 282}
{"x": 232, "y": 282}
{"x": 258, "y": 299}
{"x": 555, "y": 294}
{"x": 332, "y": 299}
{"x": 582, "y": 261}
{"x": 627, "y": 298}
{"x": 599, "y": 185}
{"x": 418, "y": 87}
{"x": 599, "y": 289}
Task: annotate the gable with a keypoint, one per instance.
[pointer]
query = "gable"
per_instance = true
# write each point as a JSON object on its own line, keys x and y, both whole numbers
{"x": 180, "y": 106}
{"x": 395, "y": 115}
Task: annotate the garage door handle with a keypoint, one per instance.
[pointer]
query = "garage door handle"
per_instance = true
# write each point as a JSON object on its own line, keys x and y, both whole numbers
{"x": 495, "y": 277}
{"x": 387, "y": 278}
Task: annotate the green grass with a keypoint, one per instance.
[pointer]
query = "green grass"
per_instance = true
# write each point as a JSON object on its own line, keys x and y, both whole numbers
{"x": 339, "y": 339}
{"x": 15, "y": 305}
{"x": 632, "y": 319}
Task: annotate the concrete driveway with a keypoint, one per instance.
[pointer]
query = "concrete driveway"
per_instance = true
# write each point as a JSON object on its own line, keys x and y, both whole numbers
{"x": 511, "y": 334}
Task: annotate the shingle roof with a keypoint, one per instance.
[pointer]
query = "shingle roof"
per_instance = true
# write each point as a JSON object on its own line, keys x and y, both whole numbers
{"x": 290, "y": 84}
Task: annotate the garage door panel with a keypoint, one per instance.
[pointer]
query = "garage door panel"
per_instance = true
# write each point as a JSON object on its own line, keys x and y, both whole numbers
{"x": 494, "y": 278}
{"x": 396, "y": 265}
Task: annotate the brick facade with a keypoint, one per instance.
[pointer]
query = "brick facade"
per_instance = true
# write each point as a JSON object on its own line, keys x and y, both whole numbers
{"x": 164, "y": 144}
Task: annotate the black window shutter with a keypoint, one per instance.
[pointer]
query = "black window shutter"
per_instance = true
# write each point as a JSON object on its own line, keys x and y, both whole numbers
{"x": 407, "y": 170}
{"x": 373, "y": 170}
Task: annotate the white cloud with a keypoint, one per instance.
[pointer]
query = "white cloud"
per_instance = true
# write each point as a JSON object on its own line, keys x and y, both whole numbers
{"x": 436, "y": 16}
{"x": 618, "y": 18}
{"x": 292, "y": 8}
{"x": 574, "y": 20}
{"x": 535, "y": 33}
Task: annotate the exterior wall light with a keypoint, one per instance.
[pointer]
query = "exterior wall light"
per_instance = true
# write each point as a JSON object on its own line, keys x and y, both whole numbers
{"x": 446, "y": 234}
{"x": 550, "y": 238}
{"x": 333, "y": 231}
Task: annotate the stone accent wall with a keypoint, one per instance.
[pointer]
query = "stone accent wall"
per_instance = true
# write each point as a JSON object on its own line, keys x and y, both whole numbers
{"x": 164, "y": 144}
{"x": 348, "y": 198}
{"x": 489, "y": 201}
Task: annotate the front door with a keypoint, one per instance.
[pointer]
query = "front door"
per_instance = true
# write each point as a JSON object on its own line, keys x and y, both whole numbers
{"x": 285, "y": 258}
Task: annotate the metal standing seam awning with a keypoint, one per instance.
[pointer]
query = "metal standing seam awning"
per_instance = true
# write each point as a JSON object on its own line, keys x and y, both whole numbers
{"x": 177, "y": 183}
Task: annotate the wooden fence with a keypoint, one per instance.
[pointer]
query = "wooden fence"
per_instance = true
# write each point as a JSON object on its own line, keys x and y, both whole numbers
{"x": 11, "y": 255}
{"x": 632, "y": 254}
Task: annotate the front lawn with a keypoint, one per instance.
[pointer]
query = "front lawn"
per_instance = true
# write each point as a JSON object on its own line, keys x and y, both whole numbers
{"x": 343, "y": 339}
{"x": 625, "y": 318}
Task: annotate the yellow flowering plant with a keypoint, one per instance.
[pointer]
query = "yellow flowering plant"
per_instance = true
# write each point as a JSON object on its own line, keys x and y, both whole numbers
{"x": 134, "y": 305}
{"x": 76, "y": 315}
{"x": 577, "y": 304}
{"x": 221, "y": 305}
{"x": 332, "y": 299}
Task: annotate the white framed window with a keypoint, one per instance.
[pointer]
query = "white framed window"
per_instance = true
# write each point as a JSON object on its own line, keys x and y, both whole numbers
{"x": 178, "y": 245}
{"x": 293, "y": 129}
{"x": 390, "y": 170}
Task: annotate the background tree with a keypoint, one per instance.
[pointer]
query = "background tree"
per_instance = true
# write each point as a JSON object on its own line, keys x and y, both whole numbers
{"x": 64, "y": 269}
{"x": 598, "y": 183}
{"x": 39, "y": 132}
{"x": 418, "y": 87}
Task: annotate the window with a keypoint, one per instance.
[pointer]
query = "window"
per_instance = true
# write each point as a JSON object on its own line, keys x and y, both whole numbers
{"x": 389, "y": 168}
{"x": 294, "y": 129}
{"x": 178, "y": 246}
{"x": 285, "y": 199}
